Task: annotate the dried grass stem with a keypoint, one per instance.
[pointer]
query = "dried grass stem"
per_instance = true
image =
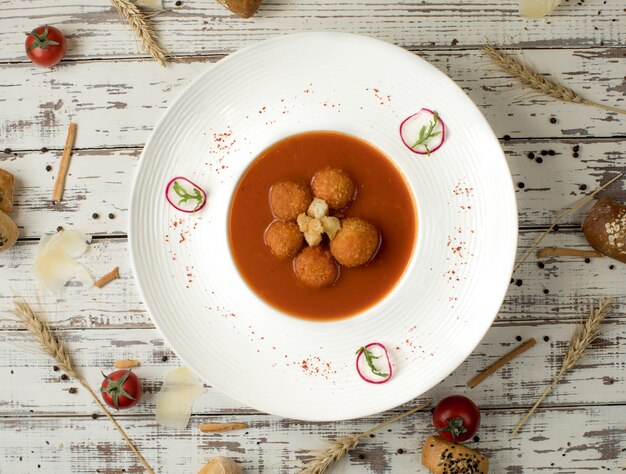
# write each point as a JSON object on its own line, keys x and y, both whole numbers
{"x": 142, "y": 28}
{"x": 325, "y": 459}
{"x": 56, "y": 349}
{"x": 583, "y": 337}
{"x": 532, "y": 79}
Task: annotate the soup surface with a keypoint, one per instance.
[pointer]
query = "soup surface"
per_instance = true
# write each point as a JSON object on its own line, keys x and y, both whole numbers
{"x": 382, "y": 198}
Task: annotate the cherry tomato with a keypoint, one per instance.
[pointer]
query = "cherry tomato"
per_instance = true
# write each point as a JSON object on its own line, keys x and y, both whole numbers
{"x": 121, "y": 389}
{"x": 456, "y": 418}
{"x": 45, "y": 46}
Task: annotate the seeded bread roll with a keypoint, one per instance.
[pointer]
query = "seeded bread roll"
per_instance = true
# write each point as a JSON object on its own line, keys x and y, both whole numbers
{"x": 605, "y": 228}
{"x": 440, "y": 456}
{"x": 8, "y": 232}
{"x": 6, "y": 191}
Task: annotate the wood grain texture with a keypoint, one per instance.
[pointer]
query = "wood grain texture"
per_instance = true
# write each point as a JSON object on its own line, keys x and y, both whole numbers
{"x": 100, "y": 182}
{"x": 205, "y": 27}
{"x": 115, "y": 106}
{"x": 571, "y": 283}
{"x": 563, "y": 440}
{"x": 32, "y": 384}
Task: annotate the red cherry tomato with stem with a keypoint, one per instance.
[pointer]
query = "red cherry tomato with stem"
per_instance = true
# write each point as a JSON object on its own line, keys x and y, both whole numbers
{"x": 456, "y": 418}
{"x": 45, "y": 45}
{"x": 121, "y": 389}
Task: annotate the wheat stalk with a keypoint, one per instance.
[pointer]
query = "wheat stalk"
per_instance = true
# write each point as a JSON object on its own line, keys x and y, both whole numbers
{"x": 325, "y": 459}
{"x": 528, "y": 77}
{"x": 583, "y": 337}
{"x": 566, "y": 212}
{"x": 41, "y": 332}
{"x": 142, "y": 28}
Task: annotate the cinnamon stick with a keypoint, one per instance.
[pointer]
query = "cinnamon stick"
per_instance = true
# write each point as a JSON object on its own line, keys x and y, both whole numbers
{"x": 567, "y": 252}
{"x": 126, "y": 364}
{"x": 108, "y": 278}
{"x": 217, "y": 427}
{"x": 505, "y": 359}
{"x": 59, "y": 185}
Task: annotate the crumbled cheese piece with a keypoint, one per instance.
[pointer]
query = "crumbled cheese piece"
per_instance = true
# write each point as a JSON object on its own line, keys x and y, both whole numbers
{"x": 179, "y": 390}
{"x": 313, "y": 232}
{"x": 331, "y": 226}
{"x": 55, "y": 265}
{"x": 318, "y": 208}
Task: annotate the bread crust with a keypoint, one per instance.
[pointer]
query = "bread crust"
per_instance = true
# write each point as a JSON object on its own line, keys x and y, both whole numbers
{"x": 8, "y": 232}
{"x": 441, "y": 456}
{"x": 605, "y": 228}
{"x": 7, "y": 181}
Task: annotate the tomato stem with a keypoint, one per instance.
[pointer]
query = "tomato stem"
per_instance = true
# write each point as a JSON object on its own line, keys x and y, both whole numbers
{"x": 455, "y": 427}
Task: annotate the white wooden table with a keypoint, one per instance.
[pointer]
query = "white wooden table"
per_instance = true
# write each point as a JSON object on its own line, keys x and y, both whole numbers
{"x": 116, "y": 96}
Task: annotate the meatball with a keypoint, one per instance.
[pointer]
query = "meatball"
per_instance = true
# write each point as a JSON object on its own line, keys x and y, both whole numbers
{"x": 333, "y": 186}
{"x": 315, "y": 267}
{"x": 356, "y": 242}
{"x": 289, "y": 199}
{"x": 284, "y": 239}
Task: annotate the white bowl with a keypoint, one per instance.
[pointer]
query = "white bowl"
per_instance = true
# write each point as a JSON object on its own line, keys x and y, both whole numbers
{"x": 451, "y": 290}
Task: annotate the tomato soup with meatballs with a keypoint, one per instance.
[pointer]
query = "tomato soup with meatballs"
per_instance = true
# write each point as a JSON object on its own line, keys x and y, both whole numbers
{"x": 322, "y": 225}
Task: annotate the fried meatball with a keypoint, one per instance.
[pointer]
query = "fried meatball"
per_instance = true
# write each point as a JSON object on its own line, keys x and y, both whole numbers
{"x": 315, "y": 267}
{"x": 356, "y": 242}
{"x": 284, "y": 239}
{"x": 333, "y": 186}
{"x": 289, "y": 199}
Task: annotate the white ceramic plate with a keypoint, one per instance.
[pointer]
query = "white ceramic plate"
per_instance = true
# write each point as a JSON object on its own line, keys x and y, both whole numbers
{"x": 455, "y": 282}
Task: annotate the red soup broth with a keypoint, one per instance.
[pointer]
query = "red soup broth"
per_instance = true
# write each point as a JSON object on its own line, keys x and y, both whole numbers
{"x": 383, "y": 198}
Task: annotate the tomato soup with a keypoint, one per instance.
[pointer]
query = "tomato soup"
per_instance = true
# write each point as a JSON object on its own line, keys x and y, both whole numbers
{"x": 382, "y": 197}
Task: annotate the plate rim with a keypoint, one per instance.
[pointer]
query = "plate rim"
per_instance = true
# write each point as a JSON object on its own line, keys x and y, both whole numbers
{"x": 510, "y": 261}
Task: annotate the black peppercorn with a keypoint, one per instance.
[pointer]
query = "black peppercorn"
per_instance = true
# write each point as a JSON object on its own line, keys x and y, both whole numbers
{"x": 73, "y": 390}
{"x": 520, "y": 185}
{"x": 540, "y": 264}
{"x": 546, "y": 291}
{"x": 48, "y": 168}
{"x": 539, "y": 159}
{"x": 59, "y": 229}
{"x": 506, "y": 138}
{"x": 44, "y": 150}
{"x": 576, "y": 148}
{"x": 164, "y": 359}
{"x": 544, "y": 152}
{"x": 7, "y": 151}
{"x": 531, "y": 155}
{"x": 611, "y": 267}
{"x": 95, "y": 215}
{"x": 111, "y": 215}
{"x": 178, "y": 3}
{"x": 518, "y": 282}
{"x": 587, "y": 260}
{"x": 582, "y": 187}
{"x": 552, "y": 119}
{"x": 546, "y": 338}
{"x": 64, "y": 377}
{"x": 551, "y": 152}
{"x": 94, "y": 416}
{"x": 575, "y": 155}
{"x": 518, "y": 338}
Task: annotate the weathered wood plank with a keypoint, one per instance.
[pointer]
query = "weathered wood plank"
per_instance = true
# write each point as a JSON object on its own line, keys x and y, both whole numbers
{"x": 115, "y": 106}
{"x": 100, "y": 182}
{"x": 32, "y": 387}
{"x": 94, "y": 29}
{"x": 571, "y": 283}
{"x": 566, "y": 440}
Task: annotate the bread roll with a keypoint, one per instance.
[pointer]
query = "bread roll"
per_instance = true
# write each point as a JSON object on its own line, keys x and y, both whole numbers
{"x": 242, "y": 8}
{"x": 6, "y": 191}
{"x": 605, "y": 228}
{"x": 8, "y": 232}
{"x": 440, "y": 456}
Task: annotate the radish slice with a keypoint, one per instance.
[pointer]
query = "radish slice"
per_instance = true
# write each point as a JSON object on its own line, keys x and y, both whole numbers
{"x": 423, "y": 133}
{"x": 185, "y": 195}
{"x": 368, "y": 361}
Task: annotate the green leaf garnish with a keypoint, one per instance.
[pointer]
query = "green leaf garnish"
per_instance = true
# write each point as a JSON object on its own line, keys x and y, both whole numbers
{"x": 369, "y": 358}
{"x": 185, "y": 196}
{"x": 427, "y": 134}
